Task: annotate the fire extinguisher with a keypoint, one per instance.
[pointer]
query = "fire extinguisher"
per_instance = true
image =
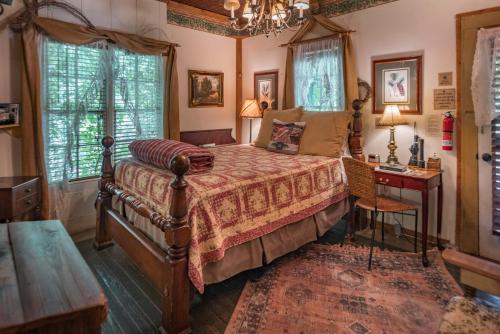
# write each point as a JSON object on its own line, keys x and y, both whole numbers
{"x": 448, "y": 121}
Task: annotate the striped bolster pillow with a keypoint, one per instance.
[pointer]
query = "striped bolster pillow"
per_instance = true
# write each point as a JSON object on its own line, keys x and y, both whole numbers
{"x": 159, "y": 153}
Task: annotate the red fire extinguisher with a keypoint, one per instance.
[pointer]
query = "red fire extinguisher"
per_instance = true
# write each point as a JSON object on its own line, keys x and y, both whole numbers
{"x": 448, "y": 121}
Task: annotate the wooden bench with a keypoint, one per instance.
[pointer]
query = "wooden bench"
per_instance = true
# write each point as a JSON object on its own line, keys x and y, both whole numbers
{"x": 45, "y": 285}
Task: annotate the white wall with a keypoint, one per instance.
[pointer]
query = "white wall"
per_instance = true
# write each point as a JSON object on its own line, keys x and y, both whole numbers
{"x": 198, "y": 50}
{"x": 207, "y": 52}
{"x": 401, "y": 27}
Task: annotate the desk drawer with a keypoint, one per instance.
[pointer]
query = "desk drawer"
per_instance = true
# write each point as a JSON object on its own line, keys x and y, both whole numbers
{"x": 390, "y": 180}
{"x": 25, "y": 190}
{"x": 25, "y": 204}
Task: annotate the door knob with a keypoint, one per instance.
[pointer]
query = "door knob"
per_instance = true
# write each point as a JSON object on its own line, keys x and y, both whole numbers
{"x": 486, "y": 157}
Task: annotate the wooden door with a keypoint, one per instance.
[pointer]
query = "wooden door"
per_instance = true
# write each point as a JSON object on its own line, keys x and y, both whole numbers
{"x": 468, "y": 139}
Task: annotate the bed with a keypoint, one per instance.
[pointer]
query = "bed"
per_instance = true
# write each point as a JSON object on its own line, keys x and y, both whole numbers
{"x": 187, "y": 231}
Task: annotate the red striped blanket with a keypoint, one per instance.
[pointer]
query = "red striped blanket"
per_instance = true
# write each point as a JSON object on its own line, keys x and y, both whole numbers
{"x": 159, "y": 153}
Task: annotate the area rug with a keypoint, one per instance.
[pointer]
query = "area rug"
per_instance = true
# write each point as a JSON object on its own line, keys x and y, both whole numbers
{"x": 328, "y": 289}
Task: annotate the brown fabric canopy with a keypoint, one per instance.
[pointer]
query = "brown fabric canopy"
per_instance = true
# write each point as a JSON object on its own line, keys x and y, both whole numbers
{"x": 33, "y": 153}
{"x": 350, "y": 71}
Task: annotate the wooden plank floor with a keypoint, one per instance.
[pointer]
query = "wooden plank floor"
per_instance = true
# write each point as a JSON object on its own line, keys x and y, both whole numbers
{"x": 134, "y": 303}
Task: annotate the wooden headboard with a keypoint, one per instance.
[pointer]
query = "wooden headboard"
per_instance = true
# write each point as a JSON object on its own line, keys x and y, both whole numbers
{"x": 200, "y": 137}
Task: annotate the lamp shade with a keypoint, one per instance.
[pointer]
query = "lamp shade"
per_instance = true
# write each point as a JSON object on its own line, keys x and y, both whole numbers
{"x": 231, "y": 4}
{"x": 251, "y": 109}
{"x": 392, "y": 116}
{"x": 302, "y": 4}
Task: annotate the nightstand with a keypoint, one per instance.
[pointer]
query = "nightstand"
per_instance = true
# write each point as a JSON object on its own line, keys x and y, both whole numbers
{"x": 19, "y": 195}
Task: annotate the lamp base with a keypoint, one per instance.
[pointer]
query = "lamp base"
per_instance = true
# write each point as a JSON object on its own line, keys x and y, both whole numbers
{"x": 392, "y": 158}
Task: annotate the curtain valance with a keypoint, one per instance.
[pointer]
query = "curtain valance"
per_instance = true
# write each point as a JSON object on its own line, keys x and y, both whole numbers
{"x": 77, "y": 34}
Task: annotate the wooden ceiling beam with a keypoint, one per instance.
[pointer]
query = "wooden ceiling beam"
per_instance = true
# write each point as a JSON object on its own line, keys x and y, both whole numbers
{"x": 194, "y": 11}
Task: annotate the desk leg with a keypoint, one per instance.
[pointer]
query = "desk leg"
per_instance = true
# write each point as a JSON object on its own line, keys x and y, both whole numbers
{"x": 440, "y": 212}
{"x": 425, "y": 223}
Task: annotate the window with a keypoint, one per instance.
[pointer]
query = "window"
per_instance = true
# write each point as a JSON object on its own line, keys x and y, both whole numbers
{"x": 319, "y": 75}
{"x": 89, "y": 92}
{"x": 495, "y": 133}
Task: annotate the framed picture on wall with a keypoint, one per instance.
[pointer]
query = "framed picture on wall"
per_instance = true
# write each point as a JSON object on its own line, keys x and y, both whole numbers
{"x": 206, "y": 89}
{"x": 9, "y": 115}
{"x": 266, "y": 88}
{"x": 397, "y": 81}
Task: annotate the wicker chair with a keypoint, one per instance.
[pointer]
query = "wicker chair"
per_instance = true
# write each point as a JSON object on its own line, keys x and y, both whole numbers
{"x": 362, "y": 186}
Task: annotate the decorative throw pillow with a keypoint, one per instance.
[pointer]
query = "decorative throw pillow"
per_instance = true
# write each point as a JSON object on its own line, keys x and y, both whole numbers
{"x": 285, "y": 137}
{"x": 266, "y": 126}
{"x": 325, "y": 133}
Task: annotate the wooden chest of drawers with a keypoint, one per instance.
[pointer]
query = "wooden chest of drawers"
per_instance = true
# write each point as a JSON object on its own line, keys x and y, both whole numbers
{"x": 19, "y": 195}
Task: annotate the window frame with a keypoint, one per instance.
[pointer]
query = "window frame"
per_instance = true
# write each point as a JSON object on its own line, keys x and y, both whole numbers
{"x": 107, "y": 115}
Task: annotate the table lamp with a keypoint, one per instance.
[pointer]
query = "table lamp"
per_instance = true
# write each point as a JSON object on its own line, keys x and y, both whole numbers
{"x": 251, "y": 110}
{"x": 392, "y": 117}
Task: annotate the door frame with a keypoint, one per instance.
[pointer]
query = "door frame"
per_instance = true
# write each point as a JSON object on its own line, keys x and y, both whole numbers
{"x": 467, "y": 214}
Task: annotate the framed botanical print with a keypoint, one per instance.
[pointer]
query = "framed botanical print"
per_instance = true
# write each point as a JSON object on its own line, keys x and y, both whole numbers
{"x": 397, "y": 81}
{"x": 206, "y": 89}
{"x": 266, "y": 88}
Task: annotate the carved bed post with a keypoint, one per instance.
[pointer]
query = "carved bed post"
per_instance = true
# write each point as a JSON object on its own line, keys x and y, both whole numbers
{"x": 102, "y": 239}
{"x": 176, "y": 293}
{"x": 356, "y": 138}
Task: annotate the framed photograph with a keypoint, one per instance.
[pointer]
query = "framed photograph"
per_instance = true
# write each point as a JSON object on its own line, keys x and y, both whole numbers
{"x": 397, "y": 81}
{"x": 206, "y": 89}
{"x": 266, "y": 88}
{"x": 9, "y": 115}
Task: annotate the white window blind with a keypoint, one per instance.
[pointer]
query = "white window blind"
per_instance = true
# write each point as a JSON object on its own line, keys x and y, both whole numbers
{"x": 495, "y": 133}
{"x": 319, "y": 75}
{"x": 93, "y": 91}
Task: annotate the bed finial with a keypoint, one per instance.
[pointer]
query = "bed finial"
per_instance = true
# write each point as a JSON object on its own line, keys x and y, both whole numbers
{"x": 179, "y": 165}
{"x": 356, "y": 138}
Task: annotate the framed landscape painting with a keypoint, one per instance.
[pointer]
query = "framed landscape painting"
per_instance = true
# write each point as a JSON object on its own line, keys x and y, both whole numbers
{"x": 206, "y": 89}
{"x": 397, "y": 81}
{"x": 266, "y": 88}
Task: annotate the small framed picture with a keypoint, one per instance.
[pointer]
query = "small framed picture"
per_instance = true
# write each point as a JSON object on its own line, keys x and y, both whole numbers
{"x": 397, "y": 81}
{"x": 206, "y": 89}
{"x": 9, "y": 115}
{"x": 266, "y": 88}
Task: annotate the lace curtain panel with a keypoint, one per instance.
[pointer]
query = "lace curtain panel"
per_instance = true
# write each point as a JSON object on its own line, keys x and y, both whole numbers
{"x": 319, "y": 75}
{"x": 486, "y": 76}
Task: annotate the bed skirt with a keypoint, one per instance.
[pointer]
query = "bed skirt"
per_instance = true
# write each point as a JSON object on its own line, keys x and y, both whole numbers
{"x": 257, "y": 252}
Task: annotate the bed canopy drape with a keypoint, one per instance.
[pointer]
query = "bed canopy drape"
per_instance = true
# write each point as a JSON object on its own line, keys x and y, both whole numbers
{"x": 350, "y": 72}
{"x": 33, "y": 154}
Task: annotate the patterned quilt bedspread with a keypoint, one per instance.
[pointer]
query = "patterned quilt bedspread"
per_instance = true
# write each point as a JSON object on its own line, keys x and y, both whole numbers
{"x": 250, "y": 192}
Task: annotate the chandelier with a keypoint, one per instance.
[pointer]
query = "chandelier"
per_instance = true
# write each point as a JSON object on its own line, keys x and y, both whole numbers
{"x": 267, "y": 16}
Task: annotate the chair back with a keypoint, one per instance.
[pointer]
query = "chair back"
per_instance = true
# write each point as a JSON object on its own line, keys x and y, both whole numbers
{"x": 361, "y": 179}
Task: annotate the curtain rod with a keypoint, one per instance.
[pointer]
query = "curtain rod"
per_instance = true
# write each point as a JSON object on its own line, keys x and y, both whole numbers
{"x": 317, "y": 38}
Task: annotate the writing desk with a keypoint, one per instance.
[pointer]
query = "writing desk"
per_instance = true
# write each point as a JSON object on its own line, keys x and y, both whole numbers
{"x": 423, "y": 181}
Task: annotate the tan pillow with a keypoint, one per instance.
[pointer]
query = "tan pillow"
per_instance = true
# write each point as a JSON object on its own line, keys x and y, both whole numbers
{"x": 325, "y": 133}
{"x": 266, "y": 126}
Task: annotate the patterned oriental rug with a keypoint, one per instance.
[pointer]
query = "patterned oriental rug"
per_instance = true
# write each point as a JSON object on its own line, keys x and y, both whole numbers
{"x": 328, "y": 289}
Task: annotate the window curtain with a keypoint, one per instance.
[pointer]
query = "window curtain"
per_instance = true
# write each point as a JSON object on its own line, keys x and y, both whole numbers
{"x": 319, "y": 76}
{"x": 350, "y": 71}
{"x": 483, "y": 75}
{"x": 32, "y": 123}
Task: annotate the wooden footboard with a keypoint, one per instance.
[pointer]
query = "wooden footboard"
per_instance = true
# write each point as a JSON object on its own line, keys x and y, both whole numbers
{"x": 168, "y": 270}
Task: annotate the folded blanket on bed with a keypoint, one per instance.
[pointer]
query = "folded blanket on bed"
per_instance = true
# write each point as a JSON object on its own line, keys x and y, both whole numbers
{"x": 159, "y": 153}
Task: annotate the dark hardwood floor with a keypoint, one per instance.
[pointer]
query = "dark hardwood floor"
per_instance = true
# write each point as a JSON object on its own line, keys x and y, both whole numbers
{"x": 134, "y": 303}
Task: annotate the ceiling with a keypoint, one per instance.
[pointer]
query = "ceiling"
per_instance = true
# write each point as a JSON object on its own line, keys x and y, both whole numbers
{"x": 217, "y": 6}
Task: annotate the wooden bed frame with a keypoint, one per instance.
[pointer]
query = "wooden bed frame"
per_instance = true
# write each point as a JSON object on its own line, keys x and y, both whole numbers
{"x": 168, "y": 270}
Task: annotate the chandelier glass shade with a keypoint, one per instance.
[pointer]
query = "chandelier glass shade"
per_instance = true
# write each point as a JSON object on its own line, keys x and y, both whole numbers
{"x": 267, "y": 16}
